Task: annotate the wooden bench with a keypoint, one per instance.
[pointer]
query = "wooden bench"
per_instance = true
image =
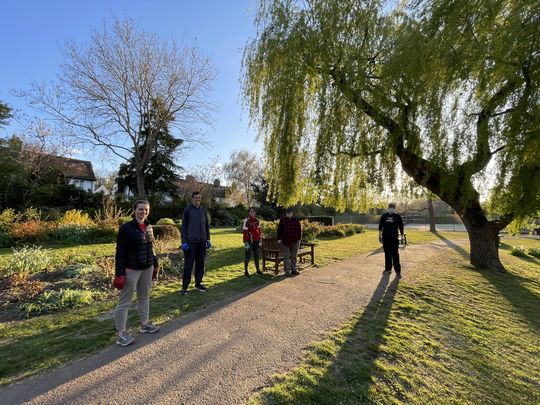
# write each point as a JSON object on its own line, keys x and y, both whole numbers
{"x": 271, "y": 252}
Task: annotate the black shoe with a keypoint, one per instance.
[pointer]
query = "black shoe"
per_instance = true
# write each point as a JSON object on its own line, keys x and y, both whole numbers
{"x": 295, "y": 272}
{"x": 398, "y": 275}
{"x": 246, "y": 273}
{"x": 183, "y": 292}
{"x": 259, "y": 272}
{"x": 387, "y": 271}
{"x": 201, "y": 287}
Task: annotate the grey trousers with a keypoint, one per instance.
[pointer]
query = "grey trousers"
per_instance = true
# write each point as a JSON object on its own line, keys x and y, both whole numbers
{"x": 289, "y": 256}
{"x": 141, "y": 280}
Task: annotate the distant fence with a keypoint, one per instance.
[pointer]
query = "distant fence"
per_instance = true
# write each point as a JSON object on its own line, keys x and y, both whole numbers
{"x": 450, "y": 221}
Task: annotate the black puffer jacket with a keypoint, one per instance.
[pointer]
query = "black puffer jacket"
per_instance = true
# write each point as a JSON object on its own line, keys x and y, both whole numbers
{"x": 134, "y": 248}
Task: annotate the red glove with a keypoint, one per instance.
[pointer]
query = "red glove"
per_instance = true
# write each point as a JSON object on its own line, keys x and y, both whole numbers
{"x": 119, "y": 282}
{"x": 155, "y": 272}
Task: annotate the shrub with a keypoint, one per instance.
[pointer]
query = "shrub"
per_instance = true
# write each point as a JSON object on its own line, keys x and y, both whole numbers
{"x": 31, "y": 214}
{"x": 5, "y": 240}
{"x": 269, "y": 228}
{"x": 103, "y": 233}
{"x": 78, "y": 270}
{"x": 310, "y": 231}
{"x": 7, "y": 218}
{"x": 76, "y": 217}
{"x": 51, "y": 301}
{"x": 166, "y": 232}
{"x": 518, "y": 251}
{"x": 268, "y": 213}
{"x": 29, "y": 231}
{"x": 171, "y": 267}
{"x": 30, "y": 260}
{"x": 123, "y": 220}
{"x": 166, "y": 221}
{"x": 72, "y": 233}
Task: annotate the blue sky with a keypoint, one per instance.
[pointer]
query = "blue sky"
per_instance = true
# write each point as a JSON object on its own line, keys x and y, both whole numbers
{"x": 33, "y": 31}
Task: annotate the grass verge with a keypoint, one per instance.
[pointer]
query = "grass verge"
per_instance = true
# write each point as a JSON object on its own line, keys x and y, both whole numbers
{"x": 455, "y": 336}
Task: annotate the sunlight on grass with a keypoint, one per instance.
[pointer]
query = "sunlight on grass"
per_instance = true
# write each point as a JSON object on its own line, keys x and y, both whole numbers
{"x": 454, "y": 336}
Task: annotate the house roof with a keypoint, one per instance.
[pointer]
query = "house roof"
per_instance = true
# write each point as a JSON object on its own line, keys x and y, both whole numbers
{"x": 74, "y": 168}
{"x": 215, "y": 189}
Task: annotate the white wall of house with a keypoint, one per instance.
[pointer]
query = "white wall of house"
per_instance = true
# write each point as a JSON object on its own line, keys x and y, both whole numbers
{"x": 85, "y": 185}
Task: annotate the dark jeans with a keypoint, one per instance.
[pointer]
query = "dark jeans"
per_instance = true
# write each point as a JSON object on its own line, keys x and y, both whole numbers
{"x": 195, "y": 254}
{"x": 254, "y": 247}
{"x": 391, "y": 254}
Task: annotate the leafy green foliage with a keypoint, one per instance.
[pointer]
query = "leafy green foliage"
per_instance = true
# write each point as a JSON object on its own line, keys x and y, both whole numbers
{"x": 168, "y": 232}
{"x": 5, "y": 114}
{"x": 166, "y": 221}
{"x": 343, "y": 91}
{"x": 29, "y": 260}
{"x": 52, "y": 301}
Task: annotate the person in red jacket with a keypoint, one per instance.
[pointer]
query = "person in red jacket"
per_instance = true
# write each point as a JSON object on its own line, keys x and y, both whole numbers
{"x": 289, "y": 234}
{"x": 252, "y": 240}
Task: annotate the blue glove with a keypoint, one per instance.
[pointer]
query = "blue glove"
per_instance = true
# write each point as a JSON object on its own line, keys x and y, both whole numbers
{"x": 185, "y": 246}
{"x": 208, "y": 244}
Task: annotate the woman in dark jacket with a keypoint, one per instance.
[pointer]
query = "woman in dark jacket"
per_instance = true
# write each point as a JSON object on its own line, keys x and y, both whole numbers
{"x": 136, "y": 266}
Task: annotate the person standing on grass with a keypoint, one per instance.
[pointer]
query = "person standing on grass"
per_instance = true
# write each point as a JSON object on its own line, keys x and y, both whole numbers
{"x": 136, "y": 265}
{"x": 289, "y": 234}
{"x": 389, "y": 225}
{"x": 252, "y": 240}
{"x": 195, "y": 240}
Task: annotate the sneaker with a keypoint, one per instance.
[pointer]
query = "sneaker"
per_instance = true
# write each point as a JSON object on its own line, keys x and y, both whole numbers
{"x": 201, "y": 287}
{"x": 183, "y": 292}
{"x": 149, "y": 328}
{"x": 124, "y": 339}
{"x": 295, "y": 272}
{"x": 287, "y": 273}
{"x": 398, "y": 275}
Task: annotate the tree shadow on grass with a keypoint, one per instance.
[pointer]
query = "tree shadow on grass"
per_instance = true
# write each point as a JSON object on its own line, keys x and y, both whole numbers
{"x": 512, "y": 287}
{"x": 349, "y": 378}
{"x": 453, "y": 245}
{"x": 36, "y": 351}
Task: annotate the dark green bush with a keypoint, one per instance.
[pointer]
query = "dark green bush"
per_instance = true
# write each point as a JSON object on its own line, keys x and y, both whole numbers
{"x": 166, "y": 232}
{"x": 5, "y": 240}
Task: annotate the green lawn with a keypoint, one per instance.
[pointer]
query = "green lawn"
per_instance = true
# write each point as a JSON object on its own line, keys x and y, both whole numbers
{"x": 454, "y": 336}
{"x": 32, "y": 345}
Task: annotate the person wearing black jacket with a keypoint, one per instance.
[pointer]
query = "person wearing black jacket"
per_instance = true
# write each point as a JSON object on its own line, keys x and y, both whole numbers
{"x": 136, "y": 265}
{"x": 195, "y": 236}
{"x": 389, "y": 225}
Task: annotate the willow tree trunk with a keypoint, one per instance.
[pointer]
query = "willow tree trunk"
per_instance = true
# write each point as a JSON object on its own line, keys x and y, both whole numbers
{"x": 484, "y": 241}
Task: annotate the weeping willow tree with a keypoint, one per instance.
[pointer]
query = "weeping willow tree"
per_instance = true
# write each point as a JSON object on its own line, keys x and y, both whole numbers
{"x": 347, "y": 94}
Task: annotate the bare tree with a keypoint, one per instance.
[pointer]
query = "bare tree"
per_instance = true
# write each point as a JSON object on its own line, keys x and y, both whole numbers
{"x": 244, "y": 169}
{"x": 121, "y": 88}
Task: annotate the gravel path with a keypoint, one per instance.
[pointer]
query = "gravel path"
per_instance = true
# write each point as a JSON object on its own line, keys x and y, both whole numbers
{"x": 224, "y": 353}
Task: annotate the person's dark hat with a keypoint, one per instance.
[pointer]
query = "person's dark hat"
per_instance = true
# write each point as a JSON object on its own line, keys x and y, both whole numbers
{"x": 392, "y": 205}
{"x": 289, "y": 210}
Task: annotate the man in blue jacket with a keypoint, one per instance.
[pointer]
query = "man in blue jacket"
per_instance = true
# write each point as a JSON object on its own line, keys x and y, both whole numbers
{"x": 389, "y": 225}
{"x": 195, "y": 240}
